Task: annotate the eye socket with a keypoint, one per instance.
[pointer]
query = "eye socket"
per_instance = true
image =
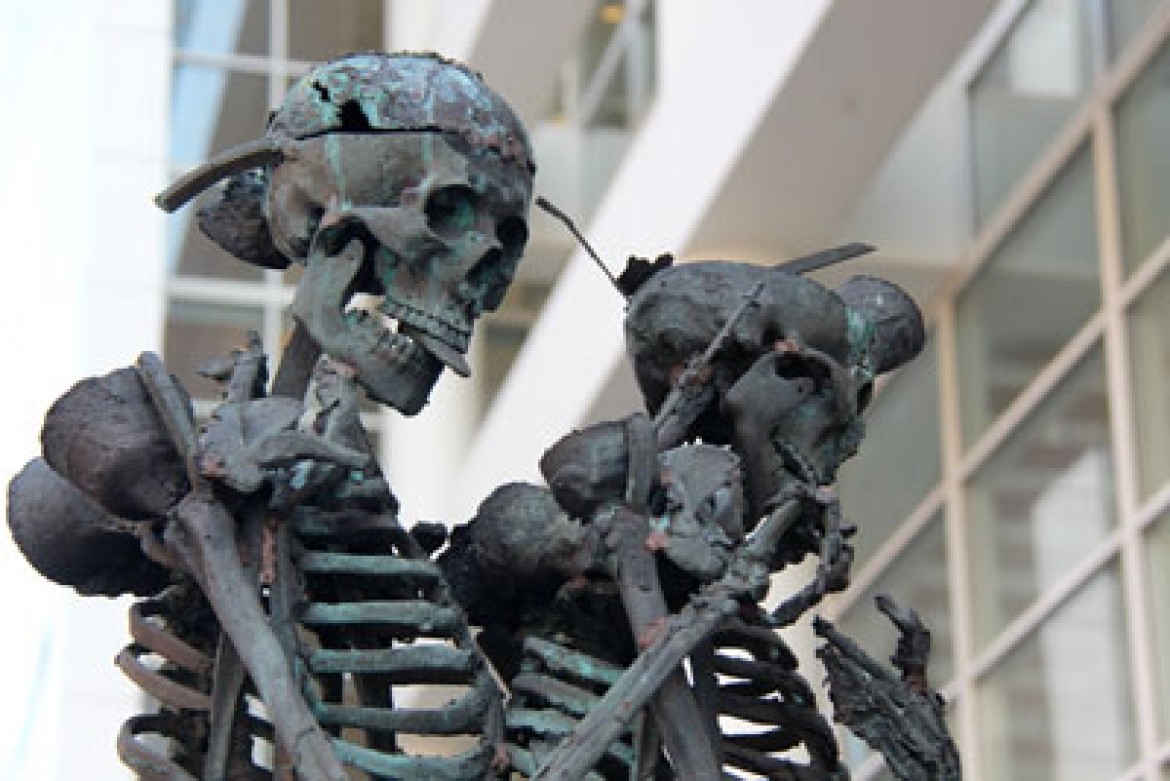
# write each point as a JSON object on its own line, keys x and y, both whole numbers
{"x": 513, "y": 235}
{"x": 450, "y": 211}
{"x": 791, "y": 367}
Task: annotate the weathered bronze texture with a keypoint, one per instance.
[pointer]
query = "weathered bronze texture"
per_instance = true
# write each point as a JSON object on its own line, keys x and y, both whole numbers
{"x": 899, "y": 716}
{"x": 620, "y": 604}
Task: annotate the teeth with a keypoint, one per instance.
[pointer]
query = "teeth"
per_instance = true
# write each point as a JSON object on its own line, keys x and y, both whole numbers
{"x": 453, "y": 359}
{"x": 426, "y": 323}
{"x": 400, "y": 345}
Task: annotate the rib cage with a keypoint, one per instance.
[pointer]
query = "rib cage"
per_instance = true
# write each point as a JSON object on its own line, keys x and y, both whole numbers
{"x": 361, "y": 625}
{"x": 555, "y": 688}
{"x": 758, "y": 683}
{"x": 172, "y": 659}
{"x": 180, "y": 682}
{"x": 369, "y": 622}
{"x": 745, "y": 680}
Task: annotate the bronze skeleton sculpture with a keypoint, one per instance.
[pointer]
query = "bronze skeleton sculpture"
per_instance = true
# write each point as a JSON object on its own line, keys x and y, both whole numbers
{"x": 286, "y": 607}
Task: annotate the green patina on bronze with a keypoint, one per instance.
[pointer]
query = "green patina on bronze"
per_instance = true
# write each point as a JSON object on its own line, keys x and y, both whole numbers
{"x": 270, "y": 539}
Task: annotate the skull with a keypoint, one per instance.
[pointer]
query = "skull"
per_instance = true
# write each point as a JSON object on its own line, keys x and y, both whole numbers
{"x": 402, "y": 176}
{"x": 793, "y": 376}
{"x": 440, "y": 233}
{"x": 424, "y": 174}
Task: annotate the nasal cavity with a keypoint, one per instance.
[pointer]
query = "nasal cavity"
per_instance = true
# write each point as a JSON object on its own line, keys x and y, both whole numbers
{"x": 483, "y": 272}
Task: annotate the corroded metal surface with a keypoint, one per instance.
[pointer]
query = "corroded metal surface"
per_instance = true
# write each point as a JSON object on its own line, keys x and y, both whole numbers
{"x": 899, "y": 716}
{"x": 290, "y": 608}
{"x": 374, "y": 92}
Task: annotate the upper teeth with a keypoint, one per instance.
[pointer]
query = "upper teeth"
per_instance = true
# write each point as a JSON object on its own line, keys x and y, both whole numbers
{"x": 407, "y": 336}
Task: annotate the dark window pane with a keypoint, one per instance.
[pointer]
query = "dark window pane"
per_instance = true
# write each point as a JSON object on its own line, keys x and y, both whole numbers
{"x": 602, "y": 27}
{"x": 1126, "y": 18}
{"x": 321, "y": 31}
{"x": 1024, "y": 94}
{"x": 901, "y": 428}
{"x": 1143, "y": 152}
{"x": 1043, "y": 502}
{"x": 213, "y": 109}
{"x": 222, "y": 26}
{"x": 501, "y": 344}
{"x": 1059, "y": 706}
{"x": 916, "y": 579}
{"x": 1149, "y": 333}
{"x": 1029, "y": 298}
{"x": 196, "y": 333}
{"x": 190, "y": 253}
{"x": 504, "y": 333}
{"x": 1158, "y": 575}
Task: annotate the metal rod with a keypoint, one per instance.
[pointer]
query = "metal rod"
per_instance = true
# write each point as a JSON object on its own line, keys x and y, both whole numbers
{"x": 823, "y": 258}
{"x": 543, "y": 203}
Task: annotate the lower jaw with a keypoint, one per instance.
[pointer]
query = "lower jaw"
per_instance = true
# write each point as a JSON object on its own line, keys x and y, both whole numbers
{"x": 392, "y": 368}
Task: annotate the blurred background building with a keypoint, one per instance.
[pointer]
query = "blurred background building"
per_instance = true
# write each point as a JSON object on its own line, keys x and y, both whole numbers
{"x": 1010, "y": 159}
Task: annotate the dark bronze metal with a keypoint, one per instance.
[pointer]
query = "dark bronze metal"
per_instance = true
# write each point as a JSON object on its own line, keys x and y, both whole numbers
{"x": 268, "y": 542}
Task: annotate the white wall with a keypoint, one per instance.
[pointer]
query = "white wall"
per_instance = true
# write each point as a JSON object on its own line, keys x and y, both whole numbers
{"x": 81, "y": 148}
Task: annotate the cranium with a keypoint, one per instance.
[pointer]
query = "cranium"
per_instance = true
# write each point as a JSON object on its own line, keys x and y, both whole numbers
{"x": 440, "y": 232}
{"x": 796, "y": 372}
{"x": 401, "y": 176}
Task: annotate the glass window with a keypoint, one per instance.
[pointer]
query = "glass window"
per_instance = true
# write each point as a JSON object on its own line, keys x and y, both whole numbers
{"x": 1024, "y": 94}
{"x": 1149, "y": 331}
{"x": 1059, "y": 706}
{"x": 628, "y": 85}
{"x": 900, "y": 428}
{"x": 197, "y": 333}
{"x": 213, "y": 109}
{"x": 1126, "y": 19}
{"x": 613, "y": 108}
{"x": 643, "y": 61}
{"x": 1158, "y": 573}
{"x": 321, "y": 31}
{"x": 1043, "y": 502}
{"x": 597, "y": 37}
{"x": 1029, "y": 298}
{"x": 917, "y": 579}
{"x": 222, "y": 26}
{"x": 1143, "y": 153}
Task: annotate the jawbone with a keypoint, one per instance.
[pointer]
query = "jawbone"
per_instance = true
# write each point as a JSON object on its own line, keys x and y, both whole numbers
{"x": 393, "y": 368}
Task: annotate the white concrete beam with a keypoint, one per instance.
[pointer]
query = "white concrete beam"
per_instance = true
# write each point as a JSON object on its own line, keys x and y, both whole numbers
{"x": 772, "y": 122}
{"x": 85, "y": 295}
{"x": 446, "y": 26}
{"x": 864, "y": 75}
{"x": 686, "y": 147}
